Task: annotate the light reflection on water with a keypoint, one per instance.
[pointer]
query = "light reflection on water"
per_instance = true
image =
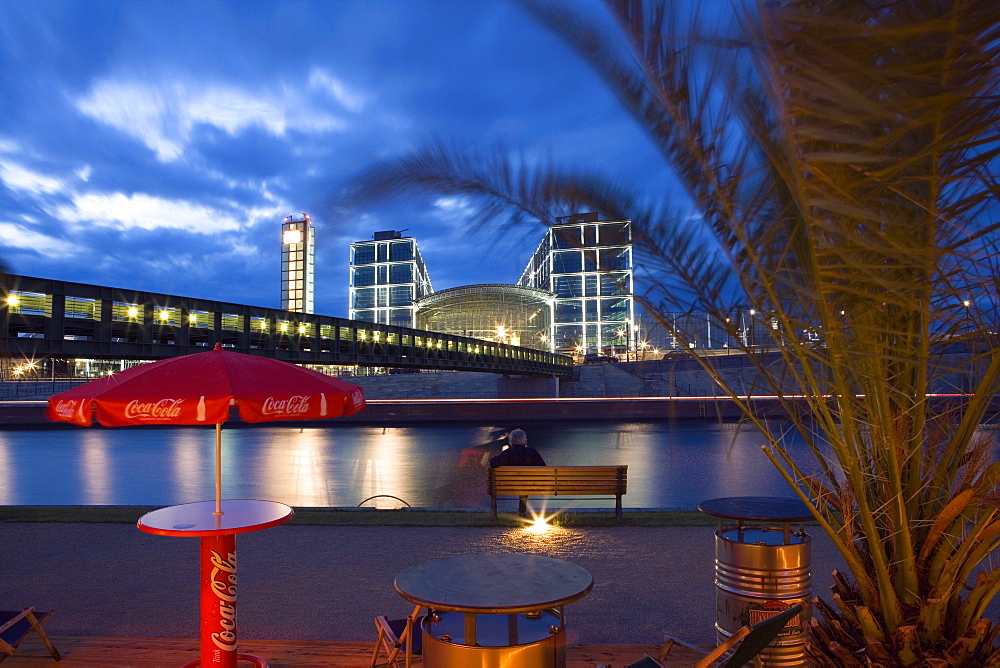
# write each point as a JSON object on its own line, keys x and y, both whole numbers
{"x": 670, "y": 465}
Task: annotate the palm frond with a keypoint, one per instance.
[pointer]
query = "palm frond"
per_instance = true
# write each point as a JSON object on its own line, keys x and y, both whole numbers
{"x": 840, "y": 158}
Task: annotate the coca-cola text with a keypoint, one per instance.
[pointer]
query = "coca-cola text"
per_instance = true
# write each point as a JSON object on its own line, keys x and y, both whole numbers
{"x": 225, "y": 589}
{"x": 153, "y": 410}
{"x": 296, "y": 405}
{"x": 65, "y": 408}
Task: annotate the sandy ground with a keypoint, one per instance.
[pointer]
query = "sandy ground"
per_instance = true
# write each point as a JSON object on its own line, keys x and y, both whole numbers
{"x": 328, "y": 583}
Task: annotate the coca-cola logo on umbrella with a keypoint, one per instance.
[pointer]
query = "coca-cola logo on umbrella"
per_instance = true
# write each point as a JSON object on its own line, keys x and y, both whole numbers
{"x": 65, "y": 409}
{"x": 163, "y": 410}
{"x": 297, "y": 405}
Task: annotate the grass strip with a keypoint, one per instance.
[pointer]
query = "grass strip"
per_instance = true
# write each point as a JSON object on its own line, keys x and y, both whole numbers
{"x": 371, "y": 517}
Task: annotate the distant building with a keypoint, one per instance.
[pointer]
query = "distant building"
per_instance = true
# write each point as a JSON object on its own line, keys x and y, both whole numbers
{"x": 298, "y": 260}
{"x": 388, "y": 276}
{"x": 581, "y": 272}
{"x": 511, "y": 314}
{"x": 587, "y": 263}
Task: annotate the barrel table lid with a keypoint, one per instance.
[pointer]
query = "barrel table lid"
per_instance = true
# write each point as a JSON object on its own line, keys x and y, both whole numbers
{"x": 757, "y": 509}
{"x": 494, "y": 583}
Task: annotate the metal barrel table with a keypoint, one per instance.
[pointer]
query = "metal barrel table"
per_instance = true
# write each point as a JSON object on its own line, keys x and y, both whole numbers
{"x": 494, "y": 610}
{"x": 762, "y": 566}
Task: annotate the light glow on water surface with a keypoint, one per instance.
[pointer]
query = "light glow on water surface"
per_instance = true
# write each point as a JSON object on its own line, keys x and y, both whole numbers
{"x": 670, "y": 465}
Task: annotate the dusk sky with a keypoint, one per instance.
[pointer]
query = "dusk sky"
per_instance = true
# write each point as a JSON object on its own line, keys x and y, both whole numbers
{"x": 158, "y": 145}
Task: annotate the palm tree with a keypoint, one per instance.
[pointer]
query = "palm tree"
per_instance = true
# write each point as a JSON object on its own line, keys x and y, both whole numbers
{"x": 841, "y": 158}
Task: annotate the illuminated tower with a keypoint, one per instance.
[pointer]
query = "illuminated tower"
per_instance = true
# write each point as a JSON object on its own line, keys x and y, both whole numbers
{"x": 298, "y": 259}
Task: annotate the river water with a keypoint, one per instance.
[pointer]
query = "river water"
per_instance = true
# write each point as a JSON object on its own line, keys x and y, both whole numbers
{"x": 671, "y": 465}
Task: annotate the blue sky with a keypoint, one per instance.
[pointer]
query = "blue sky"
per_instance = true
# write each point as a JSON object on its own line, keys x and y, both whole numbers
{"x": 158, "y": 145}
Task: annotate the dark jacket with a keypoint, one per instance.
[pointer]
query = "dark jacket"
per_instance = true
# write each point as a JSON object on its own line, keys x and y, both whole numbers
{"x": 517, "y": 455}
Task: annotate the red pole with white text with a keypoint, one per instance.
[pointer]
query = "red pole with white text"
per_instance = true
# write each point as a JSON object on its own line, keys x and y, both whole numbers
{"x": 218, "y": 601}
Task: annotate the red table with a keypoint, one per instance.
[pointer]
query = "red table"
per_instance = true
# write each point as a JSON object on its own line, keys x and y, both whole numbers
{"x": 218, "y": 562}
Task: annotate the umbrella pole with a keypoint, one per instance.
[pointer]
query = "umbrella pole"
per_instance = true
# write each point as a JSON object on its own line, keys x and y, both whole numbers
{"x": 218, "y": 468}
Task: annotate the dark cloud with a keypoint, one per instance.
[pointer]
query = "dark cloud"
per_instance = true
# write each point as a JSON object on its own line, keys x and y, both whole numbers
{"x": 158, "y": 145}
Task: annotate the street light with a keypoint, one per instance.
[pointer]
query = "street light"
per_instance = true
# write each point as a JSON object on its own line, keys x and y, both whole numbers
{"x": 621, "y": 335}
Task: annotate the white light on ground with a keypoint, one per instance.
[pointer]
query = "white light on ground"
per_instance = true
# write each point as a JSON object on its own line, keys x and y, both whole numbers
{"x": 538, "y": 525}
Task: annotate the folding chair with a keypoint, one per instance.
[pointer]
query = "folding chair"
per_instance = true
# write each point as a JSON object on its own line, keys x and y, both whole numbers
{"x": 752, "y": 641}
{"x": 392, "y": 637}
{"x": 16, "y": 626}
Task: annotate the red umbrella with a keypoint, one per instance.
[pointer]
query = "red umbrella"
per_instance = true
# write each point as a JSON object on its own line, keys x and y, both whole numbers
{"x": 200, "y": 388}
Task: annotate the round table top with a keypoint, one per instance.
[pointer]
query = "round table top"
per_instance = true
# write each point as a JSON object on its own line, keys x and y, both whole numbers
{"x": 757, "y": 508}
{"x": 199, "y": 519}
{"x": 494, "y": 583}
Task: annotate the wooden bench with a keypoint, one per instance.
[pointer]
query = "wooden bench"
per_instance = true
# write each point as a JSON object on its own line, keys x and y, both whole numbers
{"x": 586, "y": 481}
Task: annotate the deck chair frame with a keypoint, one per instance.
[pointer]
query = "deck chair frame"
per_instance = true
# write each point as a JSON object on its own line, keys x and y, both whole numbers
{"x": 391, "y": 644}
{"x": 27, "y": 622}
{"x": 752, "y": 641}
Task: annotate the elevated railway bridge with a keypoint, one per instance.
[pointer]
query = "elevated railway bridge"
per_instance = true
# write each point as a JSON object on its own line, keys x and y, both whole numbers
{"x": 57, "y": 324}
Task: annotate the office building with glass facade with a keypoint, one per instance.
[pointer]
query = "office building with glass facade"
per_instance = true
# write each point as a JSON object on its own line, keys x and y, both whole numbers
{"x": 510, "y": 314}
{"x": 298, "y": 260}
{"x": 576, "y": 288}
{"x": 387, "y": 277}
{"x": 587, "y": 264}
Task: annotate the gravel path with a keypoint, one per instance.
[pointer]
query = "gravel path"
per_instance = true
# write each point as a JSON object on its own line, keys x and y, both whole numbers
{"x": 328, "y": 583}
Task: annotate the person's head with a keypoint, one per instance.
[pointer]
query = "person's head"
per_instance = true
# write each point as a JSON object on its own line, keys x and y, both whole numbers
{"x": 517, "y": 438}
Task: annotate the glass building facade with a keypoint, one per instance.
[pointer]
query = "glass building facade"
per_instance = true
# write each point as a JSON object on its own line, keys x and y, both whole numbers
{"x": 587, "y": 264}
{"x": 298, "y": 261}
{"x": 510, "y": 314}
{"x": 387, "y": 277}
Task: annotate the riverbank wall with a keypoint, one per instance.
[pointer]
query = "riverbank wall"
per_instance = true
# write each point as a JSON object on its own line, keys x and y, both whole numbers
{"x": 634, "y": 391}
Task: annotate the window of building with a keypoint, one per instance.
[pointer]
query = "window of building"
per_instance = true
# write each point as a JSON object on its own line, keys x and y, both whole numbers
{"x": 590, "y": 235}
{"x": 400, "y": 251}
{"x": 591, "y": 310}
{"x": 614, "y": 309}
{"x": 120, "y": 311}
{"x": 383, "y": 274}
{"x": 590, "y": 260}
{"x": 568, "y": 336}
{"x": 590, "y": 285}
{"x": 568, "y": 286}
{"x": 566, "y": 262}
{"x": 232, "y": 322}
{"x": 614, "y": 284}
{"x": 401, "y": 273}
{"x": 364, "y": 298}
{"x": 615, "y": 259}
{"x": 401, "y": 317}
{"x": 364, "y": 276}
{"x": 614, "y": 234}
{"x": 569, "y": 310}
{"x": 400, "y": 295}
{"x": 364, "y": 254}
{"x": 566, "y": 237}
{"x": 82, "y": 307}
{"x": 383, "y": 297}
{"x": 614, "y": 335}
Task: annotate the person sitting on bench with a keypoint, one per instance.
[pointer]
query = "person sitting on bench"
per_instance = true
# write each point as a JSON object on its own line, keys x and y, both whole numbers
{"x": 518, "y": 454}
